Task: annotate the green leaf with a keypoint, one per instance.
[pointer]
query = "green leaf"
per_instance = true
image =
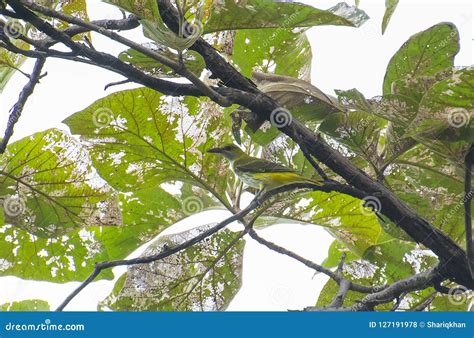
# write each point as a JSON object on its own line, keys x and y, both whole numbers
{"x": 335, "y": 252}
{"x": 343, "y": 216}
{"x": 360, "y": 272}
{"x": 60, "y": 259}
{"x": 398, "y": 259}
{"x": 447, "y": 109}
{"x": 49, "y": 187}
{"x": 255, "y": 14}
{"x": 384, "y": 263}
{"x": 359, "y": 131}
{"x": 432, "y": 185}
{"x": 281, "y": 51}
{"x": 146, "y": 137}
{"x": 390, "y": 6}
{"x": 425, "y": 53}
{"x": 192, "y": 60}
{"x": 26, "y": 305}
{"x": 454, "y": 302}
{"x": 145, "y": 9}
{"x": 353, "y": 99}
{"x": 204, "y": 277}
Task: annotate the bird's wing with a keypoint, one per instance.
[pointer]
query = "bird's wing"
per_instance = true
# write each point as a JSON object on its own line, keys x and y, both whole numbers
{"x": 258, "y": 165}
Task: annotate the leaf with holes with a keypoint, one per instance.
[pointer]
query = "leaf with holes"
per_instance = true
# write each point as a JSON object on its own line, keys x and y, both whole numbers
{"x": 447, "y": 110}
{"x": 281, "y": 51}
{"x": 341, "y": 215}
{"x": 49, "y": 187}
{"x": 255, "y": 14}
{"x": 425, "y": 53}
{"x": 203, "y": 277}
{"x": 147, "y": 137}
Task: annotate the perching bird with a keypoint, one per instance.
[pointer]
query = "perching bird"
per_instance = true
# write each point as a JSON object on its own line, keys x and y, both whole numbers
{"x": 259, "y": 173}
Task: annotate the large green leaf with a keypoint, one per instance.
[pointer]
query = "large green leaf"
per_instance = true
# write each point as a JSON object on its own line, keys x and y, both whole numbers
{"x": 232, "y": 15}
{"x": 253, "y": 14}
{"x": 281, "y": 51}
{"x": 398, "y": 259}
{"x": 359, "y": 131}
{"x": 425, "y": 53}
{"x": 139, "y": 136}
{"x": 61, "y": 259}
{"x": 447, "y": 109}
{"x": 204, "y": 277}
{"x": 357, "y": 271}
{"x": 342, "y": 215}
{"x": 49, "y": 187}
{"x": 432, "y": 185}
{"x": 72, "y": 257}
{"x": 384, "y": 263}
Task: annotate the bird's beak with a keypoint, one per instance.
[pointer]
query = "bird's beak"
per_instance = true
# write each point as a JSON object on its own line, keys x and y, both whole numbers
{"x": 214, "y": 150}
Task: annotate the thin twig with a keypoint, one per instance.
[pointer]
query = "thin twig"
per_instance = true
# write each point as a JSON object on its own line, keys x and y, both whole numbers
{"x": 337, "y": 278}
{"x": 425, "y": 303}
{"x": 118, "y": 83}
{"x": 313, "y": 163}
{"x": 17, "y": 109}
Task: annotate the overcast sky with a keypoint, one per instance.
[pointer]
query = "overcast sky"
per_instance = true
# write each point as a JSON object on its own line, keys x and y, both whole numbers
{"x": 343, "y": 58}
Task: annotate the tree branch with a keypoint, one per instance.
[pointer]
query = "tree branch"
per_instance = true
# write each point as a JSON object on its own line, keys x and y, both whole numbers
{"x": 176, "y": 66}
{"x": 17, "y": 109}
{"x": 344, "y": 286}
{"x": 416, "y": 282}
{"x": 336, "y": 277}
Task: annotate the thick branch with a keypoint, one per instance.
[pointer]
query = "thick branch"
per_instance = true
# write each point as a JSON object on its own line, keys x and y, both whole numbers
{"x": 413, "y": 283}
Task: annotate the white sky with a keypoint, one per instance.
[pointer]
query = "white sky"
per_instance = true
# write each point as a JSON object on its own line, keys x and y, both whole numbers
{"x": 343, "y": 58}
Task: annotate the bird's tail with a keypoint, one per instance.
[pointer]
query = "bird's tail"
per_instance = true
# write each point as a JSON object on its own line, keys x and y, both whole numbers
{"x": 292, "y": 178}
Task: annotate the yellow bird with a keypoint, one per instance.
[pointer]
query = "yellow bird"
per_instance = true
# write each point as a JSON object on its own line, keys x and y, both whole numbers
{"x": 259, "y": 173}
